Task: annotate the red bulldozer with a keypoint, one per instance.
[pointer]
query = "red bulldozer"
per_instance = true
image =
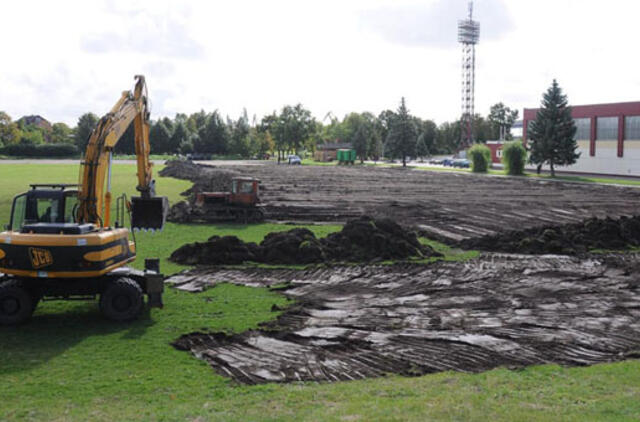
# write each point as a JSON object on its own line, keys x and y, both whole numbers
{"x": 241, "y": 205}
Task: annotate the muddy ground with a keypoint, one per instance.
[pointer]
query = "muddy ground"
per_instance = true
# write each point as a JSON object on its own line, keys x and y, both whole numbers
{"x": 368, "y": 321}
{"x": 447, "y": 206}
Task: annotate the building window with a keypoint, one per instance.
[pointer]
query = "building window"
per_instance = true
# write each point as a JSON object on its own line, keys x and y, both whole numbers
{"x": 584, "y": 129}
{"x": 632, "y": 127}
{"x": 607, "y": 128}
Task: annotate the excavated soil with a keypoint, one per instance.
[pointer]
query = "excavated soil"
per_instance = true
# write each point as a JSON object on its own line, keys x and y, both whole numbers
{"x": 205, "y": 178}
{"x": 570, "y": 239}
{"x": 360, "y": 240}
{"x": 448, "y": 206}
{"x": 368, "y": 321}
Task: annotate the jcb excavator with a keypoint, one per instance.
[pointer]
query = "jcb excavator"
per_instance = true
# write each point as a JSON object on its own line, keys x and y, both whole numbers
{"x": 61, "y": 243}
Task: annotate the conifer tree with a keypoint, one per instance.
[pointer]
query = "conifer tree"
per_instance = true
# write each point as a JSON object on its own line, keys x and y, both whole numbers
{"x": 552, "y": 134}
{"x": 401, "y": 140}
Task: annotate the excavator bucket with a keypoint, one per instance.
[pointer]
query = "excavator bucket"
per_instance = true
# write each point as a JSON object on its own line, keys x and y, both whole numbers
{"x": 149, "y": 213}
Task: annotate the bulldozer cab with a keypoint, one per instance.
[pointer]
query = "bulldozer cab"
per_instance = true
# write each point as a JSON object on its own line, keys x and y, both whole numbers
{"x": 244, "y": 191}
{"x": 46, "y": 209}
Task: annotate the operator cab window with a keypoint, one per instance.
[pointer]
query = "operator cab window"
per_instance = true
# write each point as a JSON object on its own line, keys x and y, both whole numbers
{"x": 246, "y": 187}
{"x": 18, "y": 214}
{"x": 70, "y": 207}
{"x": 47, "y": 210}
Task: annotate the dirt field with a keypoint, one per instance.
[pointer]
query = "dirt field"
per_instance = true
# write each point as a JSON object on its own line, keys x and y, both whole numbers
{"x": 498, "y": 310}
{"x": 447, "y": 206}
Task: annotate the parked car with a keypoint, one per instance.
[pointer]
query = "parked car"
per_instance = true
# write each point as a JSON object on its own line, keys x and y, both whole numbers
{"x": 447, "y": 162}
{"x": 436, "y": 161}
{"x": 294, "y": 159}
{"x": 198, "y": 156}
{"x": 461, "y": 163}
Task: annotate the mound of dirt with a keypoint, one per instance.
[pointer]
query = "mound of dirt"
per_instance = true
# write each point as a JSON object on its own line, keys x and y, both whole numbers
{"x": 361, "y": 240}
{"x": 205, "y": 178}
{"x": 570, "y": 239}
{"x": 217, "y": 250}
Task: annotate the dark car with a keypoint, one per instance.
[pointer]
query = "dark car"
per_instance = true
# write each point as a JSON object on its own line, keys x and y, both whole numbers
{"x": 461, "y": 163}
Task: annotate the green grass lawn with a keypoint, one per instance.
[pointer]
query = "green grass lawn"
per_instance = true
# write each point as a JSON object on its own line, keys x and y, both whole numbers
{"x": 70, "y": 364}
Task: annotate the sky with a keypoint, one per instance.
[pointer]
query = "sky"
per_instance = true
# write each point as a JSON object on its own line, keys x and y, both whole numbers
{"x": 64, "y": 58}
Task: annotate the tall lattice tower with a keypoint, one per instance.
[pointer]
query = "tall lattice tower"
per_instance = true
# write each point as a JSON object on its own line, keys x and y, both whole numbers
{"x": 468, "y": 36}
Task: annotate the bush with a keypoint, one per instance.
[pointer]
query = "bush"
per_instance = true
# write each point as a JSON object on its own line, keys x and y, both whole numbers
{"x": 480, "y": 156}
{"x": 44, "y": 150}
{"x": 514, "y": 157}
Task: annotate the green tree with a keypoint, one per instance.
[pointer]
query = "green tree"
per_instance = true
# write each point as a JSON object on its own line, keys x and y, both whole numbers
{"x": 240, "y": 142}
{"x": 360, "y": 141}
{"x": 179, "y": 138}
{"x": 375, "y": 145}
{"x": 422, "y": 149}
{"x": 481, "y": 129}
{"x": 401, "y": 140}
{"x": 502, "y": 119}
{"x": 9, "y": 131}
{"x": 213, "y": 137}
{"x": 428, "y": 131}
{"x": 299, "y": 125}
{"x": 448, "y": 137}
{"x": 480, "y": 156}
{"x": 30, "y": 136}
{"x": 61, "y": 134}
{"x": 552, "y": 134}
{"x": 514, "y": 157}
{"x": 159, "y": 138}
{"x": 86, "y": 123}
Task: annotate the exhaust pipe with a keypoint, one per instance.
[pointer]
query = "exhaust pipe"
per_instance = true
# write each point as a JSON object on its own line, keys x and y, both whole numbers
{"x": 149, "y": 213}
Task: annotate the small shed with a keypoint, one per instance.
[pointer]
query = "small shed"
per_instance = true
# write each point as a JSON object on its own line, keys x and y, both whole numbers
{"x": 329, "y": 151}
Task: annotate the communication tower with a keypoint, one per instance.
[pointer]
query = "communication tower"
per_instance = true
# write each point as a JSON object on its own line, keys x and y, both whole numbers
{"x": 468, "y": 36}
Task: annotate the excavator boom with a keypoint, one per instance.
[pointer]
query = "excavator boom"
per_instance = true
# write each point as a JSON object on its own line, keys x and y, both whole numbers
{"x": 148, "y": 211}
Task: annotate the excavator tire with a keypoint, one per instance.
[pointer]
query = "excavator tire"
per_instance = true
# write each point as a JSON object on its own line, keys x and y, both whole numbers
{"x": 121, "y": 300}
{"x": 16, "y": 303}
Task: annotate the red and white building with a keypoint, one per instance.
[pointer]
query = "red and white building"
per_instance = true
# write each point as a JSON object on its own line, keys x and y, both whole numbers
{"x": 608, "y": 138}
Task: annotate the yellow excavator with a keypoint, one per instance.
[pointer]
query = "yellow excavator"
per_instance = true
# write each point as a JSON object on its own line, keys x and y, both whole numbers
{"x": 61, "y": 242}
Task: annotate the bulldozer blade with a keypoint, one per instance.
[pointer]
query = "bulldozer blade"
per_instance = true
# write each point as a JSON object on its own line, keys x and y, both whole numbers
{"x": 149, "y": 213}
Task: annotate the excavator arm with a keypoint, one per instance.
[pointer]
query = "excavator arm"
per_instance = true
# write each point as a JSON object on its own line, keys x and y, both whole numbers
{"x": 94, "y": 203}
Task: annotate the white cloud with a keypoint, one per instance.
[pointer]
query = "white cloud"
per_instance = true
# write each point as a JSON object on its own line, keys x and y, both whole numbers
{"x": 330, "y": 55}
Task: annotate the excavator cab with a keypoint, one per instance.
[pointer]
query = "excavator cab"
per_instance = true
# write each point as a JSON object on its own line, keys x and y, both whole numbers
{"x": 47, "y": 209}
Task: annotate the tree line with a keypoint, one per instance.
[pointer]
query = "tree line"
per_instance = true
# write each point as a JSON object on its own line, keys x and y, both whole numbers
{"x": 394, "y": 134}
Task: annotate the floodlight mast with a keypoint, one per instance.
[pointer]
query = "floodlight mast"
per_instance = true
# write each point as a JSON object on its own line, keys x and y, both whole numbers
{"x": 468, "y": 36}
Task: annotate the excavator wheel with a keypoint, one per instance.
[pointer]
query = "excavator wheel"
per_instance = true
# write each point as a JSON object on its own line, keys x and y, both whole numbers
{"x": 121, "y": 300}
{"x": 16, "y": 303}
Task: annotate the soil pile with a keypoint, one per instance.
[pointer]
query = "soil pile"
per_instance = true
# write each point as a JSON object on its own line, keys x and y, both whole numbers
{"x": 361, "y": 240}
{"x": 205, "y": 179}
{"x": 568, "y": 239}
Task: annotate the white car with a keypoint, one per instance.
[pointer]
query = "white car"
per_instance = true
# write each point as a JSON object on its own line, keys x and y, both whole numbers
{"x": 294, "y": 159}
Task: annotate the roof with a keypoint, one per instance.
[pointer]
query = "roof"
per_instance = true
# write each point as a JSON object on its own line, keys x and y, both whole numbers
{"x": 326, "y": 146}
